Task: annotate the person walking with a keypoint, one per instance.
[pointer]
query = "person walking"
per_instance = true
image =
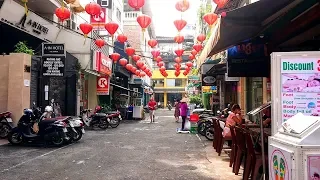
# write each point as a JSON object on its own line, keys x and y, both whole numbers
{"x": 183, "y": 112}
{"x": 152, "y": 107}
{"x": 177, "y": 110}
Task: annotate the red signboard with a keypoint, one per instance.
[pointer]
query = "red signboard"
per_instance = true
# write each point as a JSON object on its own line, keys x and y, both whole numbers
{"x": 103, "y": 63}
{"x": 103, "y": 85}
{"x": 98, "y": 21}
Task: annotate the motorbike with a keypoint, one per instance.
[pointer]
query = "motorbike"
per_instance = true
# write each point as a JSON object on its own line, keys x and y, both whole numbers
{"x": 50, "y": 131}
{"x": 209, "y": 132}
{"x": 6, "y": 124}
{"x": 203, "y": 124}
{"x": 169, "y": 107}
{"x": 101, "y": 120}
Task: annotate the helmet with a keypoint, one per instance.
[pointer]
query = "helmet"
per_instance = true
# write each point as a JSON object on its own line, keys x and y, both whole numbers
{"x": 27, "y": 111}
{"x": 48, "y": 109}
{"x": 97, "y": 108}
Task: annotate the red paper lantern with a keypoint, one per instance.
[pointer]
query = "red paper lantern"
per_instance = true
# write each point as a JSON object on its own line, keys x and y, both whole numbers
{"x": 179, "y": 52}
{"x": 143, "y": 68}
{"x": 180, "y": 24}
{"x": 210, "y": 18}
{"x": 63, "y": 13}
{"x": 99, "y": 42}
{"x": 130, "y": 51}
{"x": 144, "y": 21}
{"x": 179, "y": 39}
{"x": 123, "y": 62}
{"x": 86, "y": 28}
{"x": 115, "y": 57}
{"x": 159, "y": 58}
{"x": 188, "y": 69}
{"x": 111, "y": 27}
{"x": 220, "y": 3}
{"x": 191, "y": 57}
{"x": 136, "y": 58}
{"x": 177, "y": 73}
{"x": 93, "y": 9}
{"x": 139, "y": 63}
{"x": 194, "y": 52}
{"x": 189, "y": 64}
{"x": 136, "y": 4}
{"x": 223, "y": 14}
{"x": 129, "y": 67}
{"x": 182, "y": 5}
{"x": 152, "y": 43}
{"x": 149, "y": 74}
{"x": 177, "y": 65}
{"x": 133, "y": 69}
{"x": 137, "y": 72}
{"x": 155, "y": 53}
{"x": 160, "y": 64}
{"x": 197, "y": 47}
{"x": 178, "y": 60}
{"x": 201, "y": 37}
{"x": 142, "y": 74}
{"x": 122, "y": 38}
{"x": 185, "y": 73}
{"x": 162, "y": 68}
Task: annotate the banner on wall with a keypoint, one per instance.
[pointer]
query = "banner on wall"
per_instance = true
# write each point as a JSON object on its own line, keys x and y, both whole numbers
{"x": 103, "y": 63}
{"x": 98, "y": 21}
{"x": 103, "y": 85}
{"x": 300, "y": 87}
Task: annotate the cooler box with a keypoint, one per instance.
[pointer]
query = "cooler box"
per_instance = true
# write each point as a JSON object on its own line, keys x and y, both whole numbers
{"x": 194, "y": 118}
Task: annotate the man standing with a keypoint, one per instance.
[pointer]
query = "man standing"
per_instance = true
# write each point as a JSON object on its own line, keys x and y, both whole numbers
{"x": 152, "y": 107}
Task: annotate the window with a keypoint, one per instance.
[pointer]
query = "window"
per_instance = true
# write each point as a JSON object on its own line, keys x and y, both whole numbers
{"x": 118, "y": 14}
{"x": 158, "y": 83}
{"x": 178, "y": 82}
{"x": 71, "y": 23}
{"x": 104, "y": 3}
{"x": 170, "y": 82}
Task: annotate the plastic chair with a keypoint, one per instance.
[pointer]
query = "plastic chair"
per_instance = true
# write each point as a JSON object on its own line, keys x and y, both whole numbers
{"x": 221, "y": 140}
{"x": 194, "y": 117}
{"x": 233, "y": 148}
{"x": 241, "y": 149}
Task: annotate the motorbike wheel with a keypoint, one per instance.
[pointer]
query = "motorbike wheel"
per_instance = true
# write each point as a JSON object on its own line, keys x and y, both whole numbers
{"x": 209, "y": 133}
{"x": 114, "y": 122}
{"x": 201, "y": 128}
{"x": 103, "y": 124}
{"x": 15, "y": 138}
{"x": 79, "y": 136}
{"x": 57, "y": 140}
{"x": 4, "y": 130}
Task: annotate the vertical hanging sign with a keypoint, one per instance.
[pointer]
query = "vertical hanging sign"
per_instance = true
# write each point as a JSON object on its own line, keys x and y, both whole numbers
{"x": 103, "y": 85}
{"x": 53, "y": 59}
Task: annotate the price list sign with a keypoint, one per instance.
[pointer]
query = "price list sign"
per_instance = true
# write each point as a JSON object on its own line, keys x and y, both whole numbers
{"x": 300, "y": 80}
{"x": 53, "y": 60}
{"x": 53, "y": 66}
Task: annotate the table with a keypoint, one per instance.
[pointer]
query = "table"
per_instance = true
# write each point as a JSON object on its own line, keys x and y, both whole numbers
{"x": 256, "y": 131}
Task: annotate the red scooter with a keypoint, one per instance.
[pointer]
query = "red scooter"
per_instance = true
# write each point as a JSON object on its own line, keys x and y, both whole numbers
{"x": 6, "y": 124}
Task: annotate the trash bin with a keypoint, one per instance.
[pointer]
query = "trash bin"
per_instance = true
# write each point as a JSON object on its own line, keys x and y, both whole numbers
{"x": 194, "y": 118}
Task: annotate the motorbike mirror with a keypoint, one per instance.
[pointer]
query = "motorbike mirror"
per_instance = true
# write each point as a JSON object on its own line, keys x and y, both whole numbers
{"x": 34, "y": 103}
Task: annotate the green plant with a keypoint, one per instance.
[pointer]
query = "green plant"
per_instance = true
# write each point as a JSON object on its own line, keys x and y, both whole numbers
{"x": 21, "y": 47}
{"x": 195, "y": 99}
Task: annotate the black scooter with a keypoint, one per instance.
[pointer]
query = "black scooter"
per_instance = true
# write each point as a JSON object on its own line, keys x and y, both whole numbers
{"x": 50, "y": 131}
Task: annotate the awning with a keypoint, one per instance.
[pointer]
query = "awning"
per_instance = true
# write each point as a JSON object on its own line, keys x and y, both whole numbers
{"x": 249, "y": 21}
{"x": 218, "y": 69}
{"x": 89, "y": 71}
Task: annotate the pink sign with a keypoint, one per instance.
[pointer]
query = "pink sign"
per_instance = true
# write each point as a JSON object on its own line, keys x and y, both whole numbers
{"x": 279, "y": 164}
{"x": 313, "y": 167}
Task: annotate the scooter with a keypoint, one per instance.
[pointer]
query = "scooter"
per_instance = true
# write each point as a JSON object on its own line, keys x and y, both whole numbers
{"x": 169, "y": 107}
{"x": 101, "y": 120}
{"x": 6, "y": 124}
{"x": 50, "y": 131}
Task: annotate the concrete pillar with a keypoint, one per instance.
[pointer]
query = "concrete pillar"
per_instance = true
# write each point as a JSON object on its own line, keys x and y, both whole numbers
{"x": 92, "y": 91}
{"x": 165, "y": 98}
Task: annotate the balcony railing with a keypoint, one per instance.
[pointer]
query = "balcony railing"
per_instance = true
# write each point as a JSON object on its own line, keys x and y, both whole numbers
{"x": 132, "y": 15}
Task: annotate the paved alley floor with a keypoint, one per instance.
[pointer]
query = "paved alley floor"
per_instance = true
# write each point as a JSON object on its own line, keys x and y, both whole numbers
{"x": 136, "y": 150}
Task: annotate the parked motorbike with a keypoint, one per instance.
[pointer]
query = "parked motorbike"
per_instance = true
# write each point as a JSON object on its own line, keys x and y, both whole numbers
{"x": 6, "y": 124}
{"x": 169, "y": 107}
{"x": 203, "y": 124}
{"x": 209, "y": 132}
{"x": 101, "y": 120}
{"x": 50, "y": 131}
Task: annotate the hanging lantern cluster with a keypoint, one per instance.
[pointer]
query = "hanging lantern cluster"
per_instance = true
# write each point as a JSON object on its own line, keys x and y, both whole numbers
{"x": 122, "y": 38}
{"x": 220, "y": 3}
{"x": 182, "y": 5}
{"x": 136, "y": 4}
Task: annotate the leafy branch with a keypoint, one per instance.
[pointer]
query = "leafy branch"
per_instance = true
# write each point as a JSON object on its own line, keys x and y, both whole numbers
{"x": 21, "y": 47}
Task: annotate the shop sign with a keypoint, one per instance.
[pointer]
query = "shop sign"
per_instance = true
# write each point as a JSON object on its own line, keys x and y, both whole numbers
{"x": 227, "y": 78}
{"x": 300, "y": 87}
{"x": 49, "y": 49}
{"x": 248, "y": 59}
{"x": 98, "y": 21}
{"x": 103, "y": 85}
{"x": 103, "y": 63}
{"x": 208, "y": 80}
{"x": 280, "y": 163}
{"x": 13, "y": 14}
{"x": 53, "y": 66}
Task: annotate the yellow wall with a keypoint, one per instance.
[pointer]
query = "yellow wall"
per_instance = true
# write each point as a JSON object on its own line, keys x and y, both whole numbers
{"x": 157, "y": 75}
{"x": 92, "y": 91}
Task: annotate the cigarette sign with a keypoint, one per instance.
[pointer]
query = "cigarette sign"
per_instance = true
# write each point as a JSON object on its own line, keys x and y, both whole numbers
{"x": 98, "y": 21}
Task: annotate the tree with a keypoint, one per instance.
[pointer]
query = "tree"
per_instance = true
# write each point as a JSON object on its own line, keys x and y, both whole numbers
{"x": 21, "y": 47}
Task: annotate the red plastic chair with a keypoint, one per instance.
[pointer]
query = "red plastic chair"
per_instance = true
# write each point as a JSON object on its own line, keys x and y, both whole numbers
{"x": 233, "y": 148}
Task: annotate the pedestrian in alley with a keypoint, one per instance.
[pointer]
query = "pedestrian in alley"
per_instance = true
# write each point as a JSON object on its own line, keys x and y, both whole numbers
{"x": 152, "y": 107}
{"x": 177, "y": 110}
{"x": 183, "y": 112}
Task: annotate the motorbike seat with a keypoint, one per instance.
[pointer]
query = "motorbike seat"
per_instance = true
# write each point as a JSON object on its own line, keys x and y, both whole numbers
{"x": 4, "y": 113}
{"x": 47, "y": 122}
{"x": 112, "y": 112}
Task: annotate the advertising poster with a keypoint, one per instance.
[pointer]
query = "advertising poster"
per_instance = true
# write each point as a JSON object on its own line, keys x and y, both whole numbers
{"x": 313, "y": 167}
{"x": 280, "y": 164}
{"x": 103, "y": 85}
{"x": 300, "y": 79}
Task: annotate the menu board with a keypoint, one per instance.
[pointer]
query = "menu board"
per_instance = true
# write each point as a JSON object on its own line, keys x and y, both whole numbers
{"x": 300, "y": 80}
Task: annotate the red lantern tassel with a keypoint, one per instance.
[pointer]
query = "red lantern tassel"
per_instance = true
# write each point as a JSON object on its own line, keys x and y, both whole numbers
{"x": 85, "y": 38}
